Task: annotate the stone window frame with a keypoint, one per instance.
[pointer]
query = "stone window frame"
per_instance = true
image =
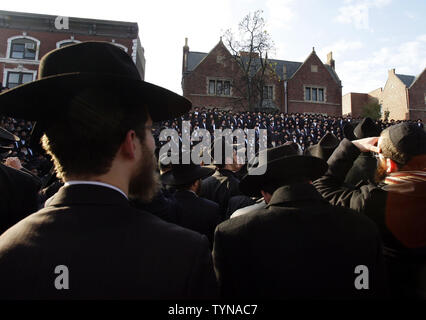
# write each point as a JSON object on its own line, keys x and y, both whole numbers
{"x": 273, "y": 92}
{"x": 60, "y": 43}
{"x": 314, "y": 87}
{"x": 19, "y": 69}
{"x": 121, "y": 46}
{"x": 223, "y": 80}
{"x": 23, "y": 36}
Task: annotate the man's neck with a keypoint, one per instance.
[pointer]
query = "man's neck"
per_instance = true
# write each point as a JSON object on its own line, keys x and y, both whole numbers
{"x": 102, "y": 179}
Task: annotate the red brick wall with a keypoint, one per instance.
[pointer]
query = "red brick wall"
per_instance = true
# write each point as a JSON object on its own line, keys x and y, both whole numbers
{"x": 358, "y": 100}
{"x": 417, "y": 108}
{"x": 219, "y": 64}
{"x": 305, "y": 77}
{"x": 47, "y": 43}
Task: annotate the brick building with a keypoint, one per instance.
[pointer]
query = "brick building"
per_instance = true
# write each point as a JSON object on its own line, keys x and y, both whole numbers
{"x": 404, "y": 96}
{"x": 26, "y": 37}
{"x": 211, "y": 80}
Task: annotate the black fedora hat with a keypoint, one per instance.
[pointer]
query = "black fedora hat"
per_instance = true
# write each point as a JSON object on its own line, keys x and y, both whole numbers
{"x": 324, "y": 148}
{"x": 6, "y": 137}
{"x": 182, "y": 174}
{"x": 68, "y": 70}
{"x": 284, "y": 163}
{"x": 367, "y": 128}
{"x": 348, "y": 131}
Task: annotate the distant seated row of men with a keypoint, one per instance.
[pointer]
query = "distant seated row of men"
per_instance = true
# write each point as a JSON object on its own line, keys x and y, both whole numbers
{"x": 299, "y": 230}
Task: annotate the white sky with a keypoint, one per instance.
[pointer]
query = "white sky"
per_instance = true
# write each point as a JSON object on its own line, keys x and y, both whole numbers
{"x": 367, "y": 37}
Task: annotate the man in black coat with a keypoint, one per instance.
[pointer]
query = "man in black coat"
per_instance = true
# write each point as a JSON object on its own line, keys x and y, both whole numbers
{"x": 88, "y": 242}
{"x": 397, "y": 204}
{"x": 364, "y": 167}
{"x": 18, "y": 189}
{"x": 298, "y": 246}
{"x": 193, "y": 212}
{"x": 224, "y": 183}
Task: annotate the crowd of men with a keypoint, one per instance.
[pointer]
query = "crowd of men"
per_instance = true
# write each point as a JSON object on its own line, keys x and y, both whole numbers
{"x": 324, "y": 220}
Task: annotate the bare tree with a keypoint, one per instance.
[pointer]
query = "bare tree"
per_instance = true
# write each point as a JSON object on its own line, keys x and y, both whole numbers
{"x": 250, "y": 51}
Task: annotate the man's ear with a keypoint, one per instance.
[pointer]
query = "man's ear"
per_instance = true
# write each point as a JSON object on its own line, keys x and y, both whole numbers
{"x": 128, "y": 146}
{"x": 391, "y": 166}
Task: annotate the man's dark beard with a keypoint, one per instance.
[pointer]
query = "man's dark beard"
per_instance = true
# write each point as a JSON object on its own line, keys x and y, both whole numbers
{"x": 146, "y": 183}
{"x": 380, "y": 173}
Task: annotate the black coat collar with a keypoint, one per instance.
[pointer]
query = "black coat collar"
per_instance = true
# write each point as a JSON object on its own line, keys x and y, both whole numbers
{"x": 86, "y": 194}
{"x": 303, "y": 192}
{"x": 185, "y": 194}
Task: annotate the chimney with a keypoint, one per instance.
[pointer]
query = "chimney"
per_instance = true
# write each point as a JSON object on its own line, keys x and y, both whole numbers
{"x": 330, "y": 60}
{"x": 185, "y": 57}
{"x": 391, "y": 71}
{"x": 284, "y": 72}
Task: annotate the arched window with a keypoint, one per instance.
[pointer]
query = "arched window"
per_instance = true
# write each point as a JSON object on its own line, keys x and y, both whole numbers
{"x": 67, "y": 42}
{"x": 23, "y": 47}
{"x": 124, "y": 48}
{"x": 18, "y": 76}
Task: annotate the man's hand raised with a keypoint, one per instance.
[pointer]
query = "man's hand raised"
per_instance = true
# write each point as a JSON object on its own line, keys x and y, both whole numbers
{"x": 367, "y": 144}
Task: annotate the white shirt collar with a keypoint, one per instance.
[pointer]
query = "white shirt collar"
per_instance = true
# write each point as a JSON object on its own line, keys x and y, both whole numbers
{"x": 73, "y": 182}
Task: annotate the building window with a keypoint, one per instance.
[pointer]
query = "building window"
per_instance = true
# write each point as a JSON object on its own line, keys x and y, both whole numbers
{"x": 67, "y": 43}
{"x": 314, "y": 94}
{"x": 268, "y": 92}
{"x": 320, "y": 94}
{"x": 23, "y": 49}
{"x": 314, "y": 68}
{"x": 226, "y": 88}
{"x": 212, "y": 87}
{"x": 307, "y": 94}
{"x": 16, "y": 78}
{"x": 220, "y": 87}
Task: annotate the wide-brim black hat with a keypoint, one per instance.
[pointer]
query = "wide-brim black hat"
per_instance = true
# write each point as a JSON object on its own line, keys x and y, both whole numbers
{"x": 367, "y": 128}
{"x": 324, "y": 148}
{"x": 348, "y": 131}
{"x": 68, "y": 70}
{"x": 182, "y": 174}
{"x": 283, "y": 164}
{"x": 6, "y": 138}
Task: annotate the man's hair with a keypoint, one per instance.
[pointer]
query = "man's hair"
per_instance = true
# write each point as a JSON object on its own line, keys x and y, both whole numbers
{"x": 90, "y": 127}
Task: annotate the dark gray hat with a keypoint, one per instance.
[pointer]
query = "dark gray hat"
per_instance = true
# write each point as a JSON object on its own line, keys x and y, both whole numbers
{"x": 408, "y": 138}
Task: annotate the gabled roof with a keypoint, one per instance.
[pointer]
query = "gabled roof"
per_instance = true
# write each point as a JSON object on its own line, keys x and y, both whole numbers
{"x": 333, "y": 73}
{"x": 407, "y": 80}
{"x": 195, "y": 58}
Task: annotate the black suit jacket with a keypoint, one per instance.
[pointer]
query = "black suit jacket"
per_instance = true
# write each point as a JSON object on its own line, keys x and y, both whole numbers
{"x": 299, "y": 246}
{"x": 18, "y": 196}
{"x": 197, "y": 213}
{"x": 111, "y": 250}
{"x": 220, "y": 187}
